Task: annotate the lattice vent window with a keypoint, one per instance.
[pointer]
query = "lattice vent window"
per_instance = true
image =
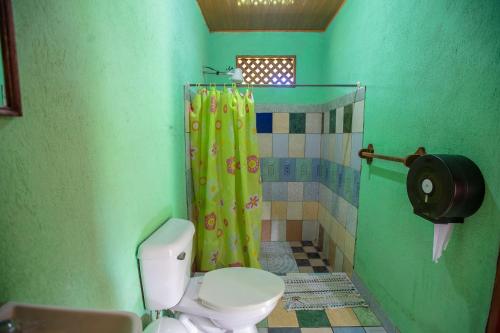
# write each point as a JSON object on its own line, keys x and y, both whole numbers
{"x": 273, "y": 70}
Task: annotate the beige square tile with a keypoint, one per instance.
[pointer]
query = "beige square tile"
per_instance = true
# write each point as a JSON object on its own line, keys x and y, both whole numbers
{"x": 278, "y": 210}
{"x": 309, "y": 249}
{"x": 347, "y": 266}
{"x": 296, "y": 145}
{"x": 316, "y": 262}
{"x": 339, "y": 236}
{"x": 282, "y": 318}
{"x": 313, "y": 122}
{"x": 306, "y": 269}
{"x": 349, "y": 247}
{"x": 266, "y": 210}
{"x": 358, "y": 116}
{"x": 295, "y": 191}
{"x": 346, "y": 149}
{"x": 294, "y": 211}
{"x": 342, "y": 317}
{"x": 310, "y": 210}
{"x": 265, "y": 145}
{"x": 293, "y": 243}
{"x": 300, "y": 255}
{"x": 293, "y": 230}
{"x": 280, "y": 122}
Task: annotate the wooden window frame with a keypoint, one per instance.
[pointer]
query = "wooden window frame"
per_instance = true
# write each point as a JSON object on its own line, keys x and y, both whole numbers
{"x": 272, "y": 56}
{"x": 12, "y": 106}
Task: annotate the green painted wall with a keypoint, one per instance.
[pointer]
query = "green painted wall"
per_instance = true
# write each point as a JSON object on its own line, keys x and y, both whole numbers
{"x": 432, "y": 70}
{"x": 93, "y": 165}
{"x": 308, "y": 47}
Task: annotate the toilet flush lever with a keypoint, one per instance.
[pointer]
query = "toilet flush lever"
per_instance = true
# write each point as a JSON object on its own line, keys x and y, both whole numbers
{"x": 181, "y": 256}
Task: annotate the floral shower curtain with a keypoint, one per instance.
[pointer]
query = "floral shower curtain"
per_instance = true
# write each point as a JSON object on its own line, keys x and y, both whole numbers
{"x": 226, "y": 179}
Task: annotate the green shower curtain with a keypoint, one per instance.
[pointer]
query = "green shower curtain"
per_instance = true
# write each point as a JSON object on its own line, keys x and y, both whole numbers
{"x": 226, "y": 179}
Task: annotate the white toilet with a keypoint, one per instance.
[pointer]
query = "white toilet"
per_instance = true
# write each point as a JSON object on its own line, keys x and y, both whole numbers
{"x": 227, "y": 299}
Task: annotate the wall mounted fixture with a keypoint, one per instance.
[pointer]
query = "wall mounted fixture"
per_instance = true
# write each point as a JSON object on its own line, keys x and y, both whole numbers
{"x": 235, "y": 74}
{"x": 442, "y": 188}
{"x": 369, "y": 154}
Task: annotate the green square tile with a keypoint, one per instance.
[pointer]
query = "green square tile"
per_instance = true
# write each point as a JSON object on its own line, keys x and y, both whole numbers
{"x": 333, "y": 120}
{"x": 303, "y": 169}
{"x": 348, "y": 118}
{"x": 297, "y": 122}
{"x": 262, "y": 324}
{"x": 270, "y": 169}
{"x": 312, "y": 318}
{"x": 366, "y": 317}
{"x": 332, "y": 177}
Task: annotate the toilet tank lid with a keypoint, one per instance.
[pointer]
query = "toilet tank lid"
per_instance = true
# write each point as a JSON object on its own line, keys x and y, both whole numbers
{"x": 168, "y": 240}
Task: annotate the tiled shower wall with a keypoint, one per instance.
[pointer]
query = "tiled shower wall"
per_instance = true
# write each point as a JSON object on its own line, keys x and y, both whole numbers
{"x": 341, "y": 141}
{"x": 310, "y": 173}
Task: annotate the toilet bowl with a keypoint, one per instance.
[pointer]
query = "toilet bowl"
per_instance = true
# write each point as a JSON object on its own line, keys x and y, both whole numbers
{"x": 227, "y": 299}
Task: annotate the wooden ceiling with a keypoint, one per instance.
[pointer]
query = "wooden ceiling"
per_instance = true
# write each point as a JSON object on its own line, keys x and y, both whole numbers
{"x": 297, "y": 15}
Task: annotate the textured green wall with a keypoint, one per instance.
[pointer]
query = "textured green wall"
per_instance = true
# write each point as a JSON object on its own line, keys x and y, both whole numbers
{"x": 95, "y": 164}
{"x": 308, "y": 47}
{"x": 432, "y": 70}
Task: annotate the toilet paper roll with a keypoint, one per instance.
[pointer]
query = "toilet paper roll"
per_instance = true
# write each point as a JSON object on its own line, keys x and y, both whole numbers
{"x": 442, "y": 234}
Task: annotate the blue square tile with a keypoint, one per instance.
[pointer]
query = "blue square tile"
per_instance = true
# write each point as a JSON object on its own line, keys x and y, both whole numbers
{"x": 338, "y": 149}
{"x": 355, "y": 189}
{"x": 303, "y": 170}
{"x": 266, "y": 191}
{"x": 348, "y": 184}
{"x": 316, "y": 170}
{"x": 311, "y": 191}
{"x": 264, "y": 122}
{"x": 280, "y": 145}
{"x": 356, "y": 145}
{"x": 279, "y": 191}
{"x": 325, "y": 171}
{"x": 287, "y": 169}
{"x": 332, "y": 178}
{"x": 313, "y": 145}
{"x": 324, "y": 174}
{"x": 339, "y": 186}
{"x": 269, "y": 169}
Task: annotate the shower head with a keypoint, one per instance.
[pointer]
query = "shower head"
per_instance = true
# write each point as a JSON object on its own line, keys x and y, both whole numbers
{"x": 235, "y": 74}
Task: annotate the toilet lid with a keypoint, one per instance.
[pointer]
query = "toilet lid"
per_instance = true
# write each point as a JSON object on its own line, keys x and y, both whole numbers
{"x": 239, "y": 288}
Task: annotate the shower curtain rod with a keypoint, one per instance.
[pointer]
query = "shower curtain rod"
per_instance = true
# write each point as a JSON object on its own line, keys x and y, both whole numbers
{"x": 347, "y": 85}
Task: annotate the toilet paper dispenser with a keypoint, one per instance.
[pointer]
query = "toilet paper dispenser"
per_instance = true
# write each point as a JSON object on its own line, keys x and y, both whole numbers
{"x": 442, "y": 188}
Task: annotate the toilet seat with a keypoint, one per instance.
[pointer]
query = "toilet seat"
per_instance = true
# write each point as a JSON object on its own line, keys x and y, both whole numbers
{"x": 240, "y": 289}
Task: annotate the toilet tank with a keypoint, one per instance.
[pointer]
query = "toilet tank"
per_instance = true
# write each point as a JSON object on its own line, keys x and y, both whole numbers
{"x": 165, "y": 264}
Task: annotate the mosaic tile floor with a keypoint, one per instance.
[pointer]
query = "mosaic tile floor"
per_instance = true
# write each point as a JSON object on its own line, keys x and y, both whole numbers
{"x": 287, "y": 257}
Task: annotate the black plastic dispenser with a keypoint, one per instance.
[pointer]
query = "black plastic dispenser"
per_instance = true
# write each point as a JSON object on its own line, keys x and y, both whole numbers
{"x": 444, "y": 188}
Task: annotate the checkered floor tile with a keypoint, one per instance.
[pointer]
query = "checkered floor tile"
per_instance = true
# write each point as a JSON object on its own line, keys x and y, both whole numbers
{"x": 308, "y": 258}
{"x": 277, "y": 257}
